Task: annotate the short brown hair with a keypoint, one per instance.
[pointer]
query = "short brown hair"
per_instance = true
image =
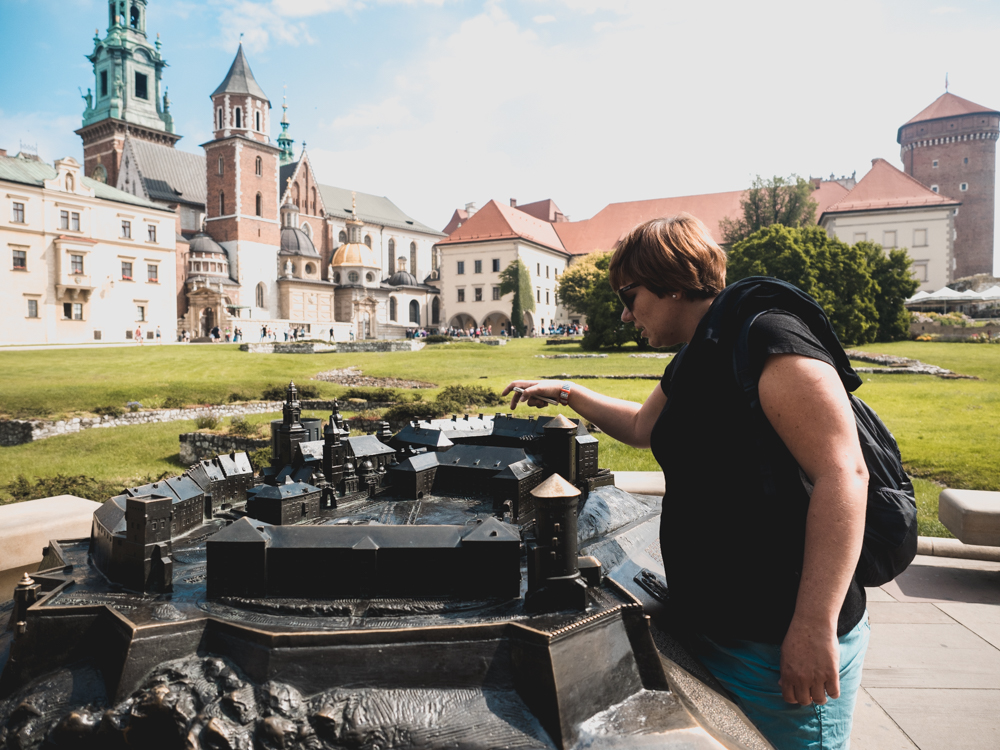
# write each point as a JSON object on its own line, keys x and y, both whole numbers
{"x": 675, "y": 254}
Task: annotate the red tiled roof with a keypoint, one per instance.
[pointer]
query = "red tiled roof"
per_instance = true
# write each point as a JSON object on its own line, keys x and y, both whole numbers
{"x": 496, "y": 221}
{"x": 608, "y": 226}
{"x": 948, "y": 105}
{"x": 459, "y": 217}
{"x": 545, "y": 210}
{"x": 885, "y": 187}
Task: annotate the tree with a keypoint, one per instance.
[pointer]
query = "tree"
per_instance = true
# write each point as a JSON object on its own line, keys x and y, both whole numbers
{"x": 517, "y": 279}
{"x": 779, "y": 200}
{"x": 836, "y": 274}
{"x": 894, "y": 279}
{"x": 585, "y": 288}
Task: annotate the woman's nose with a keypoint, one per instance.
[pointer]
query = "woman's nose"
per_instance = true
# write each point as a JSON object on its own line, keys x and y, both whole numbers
{"x": 627, "y": 315}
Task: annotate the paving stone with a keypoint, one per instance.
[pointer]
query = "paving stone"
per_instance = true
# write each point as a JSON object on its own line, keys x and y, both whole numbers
{"x": 874, "y": 729}
{"x": 906, "y": 612}
{"x": 944, "y": 719}
{"x": 878, "y": 595}
{"x": 942, "y": 579}
{"x": 930, "y": 656}
{"x": 981, "y": 619}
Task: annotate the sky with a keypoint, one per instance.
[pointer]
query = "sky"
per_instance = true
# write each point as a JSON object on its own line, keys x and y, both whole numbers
{"x": 437, "y": 103}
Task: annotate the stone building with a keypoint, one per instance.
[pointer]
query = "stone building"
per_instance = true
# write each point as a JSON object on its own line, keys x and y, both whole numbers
{"x": 950, "y": 147}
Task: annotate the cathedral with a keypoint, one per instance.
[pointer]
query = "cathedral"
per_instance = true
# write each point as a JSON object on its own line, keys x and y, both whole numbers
{"x": 260, "y": 241}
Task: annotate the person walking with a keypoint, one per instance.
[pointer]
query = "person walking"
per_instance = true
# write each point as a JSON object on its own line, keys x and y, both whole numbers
{"x": 138, "y": 335}
{"x": 158, "y": 335}
{"x": 760, "y": 565}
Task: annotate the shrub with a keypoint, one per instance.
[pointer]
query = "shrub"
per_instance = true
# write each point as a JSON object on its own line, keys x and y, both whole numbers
{"x": 382, "y": 395}
{"x": 260, "y": 458}
{"x": 241, "y": 427}
{"x": 134, "y": 406}
{"x": 437, "y": 338}
{"x": 173, "y": 402}
{"x": 24, "y": 488}
{"x": 470, "y": 395}
{"x": 278, "y": 392}
{"x": 111, "y": 410}
{"x": 237, "y": 397}
{"x": 407, "y": 412}
{"x": 207, "y": 422}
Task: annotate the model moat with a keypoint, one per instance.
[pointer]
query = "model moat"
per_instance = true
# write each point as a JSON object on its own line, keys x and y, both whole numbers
{"x": 423, "y": 589}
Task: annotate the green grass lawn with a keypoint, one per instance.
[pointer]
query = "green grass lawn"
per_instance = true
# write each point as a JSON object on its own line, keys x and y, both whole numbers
{"x": 948, "y": 430}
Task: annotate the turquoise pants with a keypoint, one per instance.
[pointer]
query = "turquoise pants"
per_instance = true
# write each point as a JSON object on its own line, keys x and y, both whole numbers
{"x": 750, "y": 672}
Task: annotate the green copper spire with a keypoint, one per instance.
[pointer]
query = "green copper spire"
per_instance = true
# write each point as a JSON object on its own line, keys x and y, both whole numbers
{"x": 284, "y": 140}
{"x": 127, "y": 71}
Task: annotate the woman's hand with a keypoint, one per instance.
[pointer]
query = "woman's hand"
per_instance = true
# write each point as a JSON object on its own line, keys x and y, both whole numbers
{"x": 533, "y": 388}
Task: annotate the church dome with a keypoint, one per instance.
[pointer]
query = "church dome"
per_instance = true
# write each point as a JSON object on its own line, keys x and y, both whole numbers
{"x": 296, "y": 242}
{"x": 403, "y": 278}
{"x": 355, "y": 254}
{"x": 202, "y": 243}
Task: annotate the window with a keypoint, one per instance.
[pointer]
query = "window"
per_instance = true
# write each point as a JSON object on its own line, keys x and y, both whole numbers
{"x": 222, "y": 166}
{"x": 126, "y": 229}
{"x": 392, "y": 253}
{"x": 140, "y": 313}
{"x": 919, "y": 237}
{"x": 496, "y": 292}
{"x": 496, "y": 265}
{"x": 889, "y": 239}
{"x": 461, "y": 267}
{"x": 32, "y": 308}
{"x": 461, "y": 295}
{"x": 479, "y": 294}
{"x": 919, "y": 271}
{"x": 538, "y": 295}
{"x": 77, "y": 311}
{"x": 21, "y": 259}
{"x": 259, "y": 295}
{"x": 153, "y": 273}
{"x": 538, "y": 269}
{"x": 963, "y": 187}
{"x": 74, "y": 221}
{"x": 934, "y": 164}
{"x": 257, "y": 115}
{"x": 479, "y": 266}
{"x": 76, "y": 264}
{"x": 392, "y": 308}
{"x": 258, "y": 163}
{"x": 368, "y": 240}
{"x": 151, "y": 232}
{"x": 104, "y": 83}
{"x": 966, "y": 160}
{"x": 17, "y": 214}
{"x": 72, "y": 311}
{"x": 369, "y": 277}
{"x": 860, "y": 237}
{"x": 547, "y": 297}
{"x": 133, "y": 17}
{"x": 546, "y": 272}
{"x": 934, "y": 188}
{"x": 336, "y": 277}
{"x": 353, "y": 277}
{"x": 141, "y": 91}
{"x": 259, "y": 205}
{"x": 414, "y": 312}
{"x": 220, "y": 121}
{"x": 239, "y": 117}
{"x": 436, "y": 311}
{"x": 342, "y": 237}
{"x": 222, "y": 204}
{"x": 127, "y": 270}
{"x": 64, "y": 219}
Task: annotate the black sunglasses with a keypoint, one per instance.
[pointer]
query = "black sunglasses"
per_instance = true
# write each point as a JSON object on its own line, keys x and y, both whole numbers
{"x": 627, "y": 301}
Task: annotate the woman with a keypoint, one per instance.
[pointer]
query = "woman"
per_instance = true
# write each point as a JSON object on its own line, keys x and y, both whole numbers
{"x": 763, "y": 583}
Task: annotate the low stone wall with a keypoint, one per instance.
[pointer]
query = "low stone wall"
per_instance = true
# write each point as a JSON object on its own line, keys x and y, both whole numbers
{"x": 953, "y": 333}
{"x": 289, "y": 347}
{"x": 18, "y": 432}
{"x": 396, "y": 345}
{"x": 197, "y": 446}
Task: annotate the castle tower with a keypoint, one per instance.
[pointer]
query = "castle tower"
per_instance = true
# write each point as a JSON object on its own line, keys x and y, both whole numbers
{"x": 560, "y": 447}
{"x": 290, "y": 432}
{"x": 127, "y": 96}
{"x": 333, "y": 453}
{"x": 554, "y": 580}
{"x": 951, "y": 148}
{"x": 242, "y": 180}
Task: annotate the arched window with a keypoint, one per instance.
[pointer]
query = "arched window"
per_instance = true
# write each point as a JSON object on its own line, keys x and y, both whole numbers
{"x": 259, "y": 164}
{"x": 336, "y": 277}
{"x": 260, "y": 295}
{"x": 353, "y": 277}
{"x": 368, "y": 240}
{"x": 307, "y": 229}
{"x": 310, "y": 269}
{"x": 413, "y": 258}
{"x": 392, "y": 308}
{"x": 414, "y": 312}
{"x": 134, "y": 17}
{"x": 369, "y": 277}
{"x": 239, "y": 117}
{"x": 260, "y": 205}
{"x": 222, "y": 165}
{"x": 295, "y": 195}
{"x": 218, "y": 118}
{"x": 222, "y": 204}
{"x": 313, "y": 201}
{"x": 342, "y": 237}
{"x": 436, "y": 311}
{"x": 392, "y": 255}
{"x": 257, "y": 115}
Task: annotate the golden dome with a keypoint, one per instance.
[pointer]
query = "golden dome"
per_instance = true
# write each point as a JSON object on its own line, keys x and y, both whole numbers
{"x": 355, "y": 254}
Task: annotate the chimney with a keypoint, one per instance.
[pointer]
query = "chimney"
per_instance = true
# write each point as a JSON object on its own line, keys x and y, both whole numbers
{"x": 3, "y": 152}
{"x": 513, "y": 202}
{"x": 470, "y": 208}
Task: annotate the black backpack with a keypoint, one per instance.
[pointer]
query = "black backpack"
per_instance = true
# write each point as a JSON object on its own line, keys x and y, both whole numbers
{"x": 890, "y": 541}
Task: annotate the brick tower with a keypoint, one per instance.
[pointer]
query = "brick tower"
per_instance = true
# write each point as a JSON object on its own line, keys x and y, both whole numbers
{"x": 951, "y": 148}
{"x": 127, "y": 95}
{"x": 242, "y": 177}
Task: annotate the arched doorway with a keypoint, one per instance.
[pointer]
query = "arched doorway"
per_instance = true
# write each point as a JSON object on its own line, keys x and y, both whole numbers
{"x": 462, "y": 321}
{"x": 497, "y": 321}
{"x": 207, "y": 321}
{"x": 435, "y": 311}
{"x": 529, "y": 323}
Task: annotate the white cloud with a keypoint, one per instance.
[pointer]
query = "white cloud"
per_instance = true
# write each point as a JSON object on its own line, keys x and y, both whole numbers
{"x": 543, "y": 19}
{"x": 51, "y": 134}
{"x": 260, "y": 24}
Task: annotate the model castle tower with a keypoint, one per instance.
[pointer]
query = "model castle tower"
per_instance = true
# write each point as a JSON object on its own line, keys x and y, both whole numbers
{"x": 951, "y": 148}
{"x": 127, "y": 96}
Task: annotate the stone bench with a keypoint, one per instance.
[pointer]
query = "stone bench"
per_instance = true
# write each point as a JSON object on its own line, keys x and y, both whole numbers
{"x": 971, "y": 515}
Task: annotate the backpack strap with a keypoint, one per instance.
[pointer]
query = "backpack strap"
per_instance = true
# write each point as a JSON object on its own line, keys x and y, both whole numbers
{"x": 750, "y": 385}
